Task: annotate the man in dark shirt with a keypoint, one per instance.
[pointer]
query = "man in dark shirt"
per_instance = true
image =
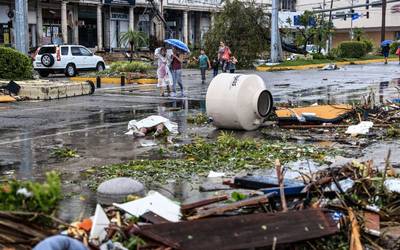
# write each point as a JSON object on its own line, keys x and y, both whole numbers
{"x": 176, "y": 69}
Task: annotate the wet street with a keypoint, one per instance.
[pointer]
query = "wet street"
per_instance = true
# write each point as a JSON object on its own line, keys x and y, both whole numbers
{"x": 94, "y": 125}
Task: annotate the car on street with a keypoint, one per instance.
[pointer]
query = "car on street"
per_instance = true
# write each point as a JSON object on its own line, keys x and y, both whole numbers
{"x": 67, "y": 59}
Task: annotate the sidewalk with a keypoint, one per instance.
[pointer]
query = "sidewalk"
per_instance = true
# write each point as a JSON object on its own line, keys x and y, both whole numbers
{"x": 318, "y": 66}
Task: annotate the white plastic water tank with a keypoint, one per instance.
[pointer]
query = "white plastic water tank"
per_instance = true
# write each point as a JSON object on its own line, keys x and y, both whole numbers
{"x": 236, "y": 101}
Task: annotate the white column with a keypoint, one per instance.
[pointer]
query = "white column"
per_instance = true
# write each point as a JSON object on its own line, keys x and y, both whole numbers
{"x": 39, "y": 23}
{"x": 64, "y": 24}
{"x": 75, "y": 27}
{"x": 99, "y": 29}
{"x": 131, "y": 18}
{"x": 212, "y": 19}
{"x": 185, "y": 27}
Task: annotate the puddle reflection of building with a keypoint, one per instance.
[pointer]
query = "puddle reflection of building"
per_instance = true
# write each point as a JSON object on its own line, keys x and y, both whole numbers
{"x": 382, "y": 86}
{"x": 25, "y": 169}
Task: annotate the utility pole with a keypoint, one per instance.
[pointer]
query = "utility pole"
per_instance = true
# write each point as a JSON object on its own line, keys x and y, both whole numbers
{"x": 330, "y": 26}
{"x": 351, "y": 25}
{"x": 21, "y": 26}
{"x": 276, "y": 47}
{"x": 383, "y": 27}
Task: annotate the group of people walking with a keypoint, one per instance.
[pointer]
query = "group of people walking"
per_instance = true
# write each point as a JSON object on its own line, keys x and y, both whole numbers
{"x": 224, "y": 60}
{"x": 169, "y": 70}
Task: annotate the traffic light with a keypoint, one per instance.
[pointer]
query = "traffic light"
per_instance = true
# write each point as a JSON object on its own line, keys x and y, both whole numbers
{"x": 367, "y": 15}
{"x": 367, "y": 4}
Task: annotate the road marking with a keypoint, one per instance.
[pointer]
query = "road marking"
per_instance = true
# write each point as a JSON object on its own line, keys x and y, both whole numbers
{"x": 62, "y": 133}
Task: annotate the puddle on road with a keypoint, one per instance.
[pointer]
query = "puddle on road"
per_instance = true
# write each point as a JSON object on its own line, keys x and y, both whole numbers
{"x": 347, "y": 92}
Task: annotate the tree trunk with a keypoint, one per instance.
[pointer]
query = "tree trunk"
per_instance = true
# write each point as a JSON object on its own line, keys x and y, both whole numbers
{"x": 131, "y": 52}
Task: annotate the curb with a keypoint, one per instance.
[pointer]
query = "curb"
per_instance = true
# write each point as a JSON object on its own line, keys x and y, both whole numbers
{"x": 318, "y": 66}
{"x": 115, "y": 80}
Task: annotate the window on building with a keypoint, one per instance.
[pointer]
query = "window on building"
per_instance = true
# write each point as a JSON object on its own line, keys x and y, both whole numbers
{"x": 76, "y": 51}
{"x": 64, "y": 51}
{"x": 287, "y": 5}
{"x": 85, "y": 52}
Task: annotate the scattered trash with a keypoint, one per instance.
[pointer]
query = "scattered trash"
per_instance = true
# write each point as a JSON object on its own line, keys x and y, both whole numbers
{"x": 100, "y": 223}
{"x": 314, "y": 114}
{"x": 360, "y": 129}
{"x": 154, "y": 202}
{"x": 392, "y": 185}
{"x": 213, "y": 174}
{"x": 342, "y": 186}
{"x": 330, "y": 66}
{"x": 152, "y": 123}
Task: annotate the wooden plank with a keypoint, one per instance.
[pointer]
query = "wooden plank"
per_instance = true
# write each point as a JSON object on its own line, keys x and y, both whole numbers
{"x": 153, "y": 218}
{"x": 246, "y": 231}
{"x": 229, "y": 207}
{"x": 189, "y": 206}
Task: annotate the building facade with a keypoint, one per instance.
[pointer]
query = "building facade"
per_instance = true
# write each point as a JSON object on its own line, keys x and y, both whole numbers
{"x": 100, "y": 23}
{"x": 369, "y": 19}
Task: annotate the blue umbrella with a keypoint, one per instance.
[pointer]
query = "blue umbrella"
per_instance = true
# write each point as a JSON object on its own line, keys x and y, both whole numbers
{"x": 386, "y": 42}
{"x": 178, "y": 44}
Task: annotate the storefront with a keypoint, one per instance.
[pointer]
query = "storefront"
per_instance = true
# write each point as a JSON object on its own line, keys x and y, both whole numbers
{"x": 119, "y": 24}
{"x": 87, "y": 26}
{"x": 174, "y": 19}
{"x": 51, "y": 25}
{"x": 5, "y": 32}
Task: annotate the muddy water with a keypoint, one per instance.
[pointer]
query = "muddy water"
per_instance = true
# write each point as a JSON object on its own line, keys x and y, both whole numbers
{"x": 97, "y": 133}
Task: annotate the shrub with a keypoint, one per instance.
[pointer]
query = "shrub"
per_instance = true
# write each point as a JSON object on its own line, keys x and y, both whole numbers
{"x": 31, "y": 196}
{"x": 393, "y": 47}
{"x": 352, "y": 49}
{"x": 14, "y": 65}
{"x": 369, "y": 45}
{"x": 333, "y": 54}
{"x": 130, "y": 67}
{"x": 318, "y": 56}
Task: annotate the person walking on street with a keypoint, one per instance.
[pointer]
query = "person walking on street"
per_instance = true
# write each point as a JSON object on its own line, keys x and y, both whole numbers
{"x": 398, "y": 53}
{"x": 224, "y": 54}
{"x": 164, "y": 78}
{"x": 176, "y": 69}
{"x": 204, "y": 64}
{"x": 232, "y": 64}
{"x": 215, "y": 65}
{"x": 385, "y": 52}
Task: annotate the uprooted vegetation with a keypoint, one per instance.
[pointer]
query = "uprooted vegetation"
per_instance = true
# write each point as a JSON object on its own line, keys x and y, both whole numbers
{"x": 226, "y": 153}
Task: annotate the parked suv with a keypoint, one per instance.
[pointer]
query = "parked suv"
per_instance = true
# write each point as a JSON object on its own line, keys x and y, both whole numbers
{"x": 67, "y": 59}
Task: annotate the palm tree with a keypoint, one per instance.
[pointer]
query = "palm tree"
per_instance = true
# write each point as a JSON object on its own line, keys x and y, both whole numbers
{"x": 134, "y": 39}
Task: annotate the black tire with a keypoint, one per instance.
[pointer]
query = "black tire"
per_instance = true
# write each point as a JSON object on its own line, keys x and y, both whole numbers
{"x": 100, "y": 66}
{"x": 70, "y": 70}
{"x": 44, "y": 73}
{"x": 47, "y": 60}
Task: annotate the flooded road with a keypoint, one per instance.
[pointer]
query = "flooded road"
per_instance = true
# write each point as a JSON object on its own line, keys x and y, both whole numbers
{"x": 94, "y": 125}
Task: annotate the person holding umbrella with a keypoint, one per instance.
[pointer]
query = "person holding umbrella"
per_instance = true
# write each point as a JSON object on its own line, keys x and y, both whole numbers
{"x": 176, "y": 63}
{"x": 385, "y": 45}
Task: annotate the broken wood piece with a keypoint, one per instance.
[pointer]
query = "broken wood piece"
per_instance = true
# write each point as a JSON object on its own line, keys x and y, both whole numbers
{"x": 229, "y": 207}
{"x": 245, "y": 231}
{"x": 372, "y": 223}
{"x": 355, "y": 242}
{"x": 189, "y": 206}
{"x": 326, "y": 126}
{"x": 279, "y": 174}
{"x": 153, "y": 218}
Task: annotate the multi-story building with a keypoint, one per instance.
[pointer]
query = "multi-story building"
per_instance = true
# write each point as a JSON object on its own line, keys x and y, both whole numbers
{"x": 369, "y": 19}
{"x": 99, "y": 23}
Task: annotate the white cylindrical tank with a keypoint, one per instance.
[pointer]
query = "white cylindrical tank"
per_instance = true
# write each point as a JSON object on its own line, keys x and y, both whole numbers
{"x": 236, "y": 101}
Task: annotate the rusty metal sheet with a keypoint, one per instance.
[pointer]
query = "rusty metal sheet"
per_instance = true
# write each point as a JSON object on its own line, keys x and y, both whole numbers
{"x": 244, "y": 231}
